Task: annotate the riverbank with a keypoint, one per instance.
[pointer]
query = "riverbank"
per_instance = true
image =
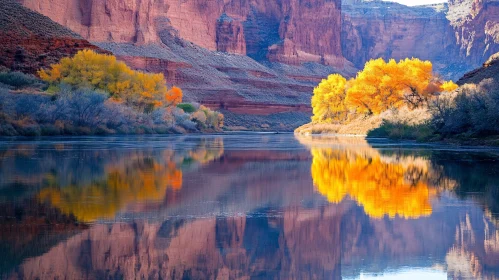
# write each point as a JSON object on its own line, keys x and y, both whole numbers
{"x": 424, "y": 133}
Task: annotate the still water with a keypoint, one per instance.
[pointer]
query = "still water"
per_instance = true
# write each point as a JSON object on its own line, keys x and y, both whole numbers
{"x": 246, "y": 206}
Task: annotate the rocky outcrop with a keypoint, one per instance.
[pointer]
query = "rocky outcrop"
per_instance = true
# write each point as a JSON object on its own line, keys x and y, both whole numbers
{"x": 456, "y": 37}
{"x": 476, "y": 27}
{"x": 230, "y": 35}
{"x": 31, "y": 41}
{"x": 261, "y": 29}
{"x": 489, "y": 71}
{"x": 391, "y": 30}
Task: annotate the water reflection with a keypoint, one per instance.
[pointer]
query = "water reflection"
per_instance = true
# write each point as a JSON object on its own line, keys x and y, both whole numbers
{"x": 249, "y": 206}
{"x": 138, "y": 178}
{"x": 118, "y": 180}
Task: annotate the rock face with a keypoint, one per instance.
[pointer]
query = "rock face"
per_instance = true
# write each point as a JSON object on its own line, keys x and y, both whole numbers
{"x": 243, "y": 57}
{"x": 391, "y": 30}
{"x": 277, "y": 29}
{"x": 489, "y": 71}
{"x": 31, "y": 41}
{"x": 476, "y": 26}
{"x": 456, "y": 37}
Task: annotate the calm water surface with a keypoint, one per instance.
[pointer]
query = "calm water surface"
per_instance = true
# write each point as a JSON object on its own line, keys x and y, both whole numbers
{"x": 246, "y": 206}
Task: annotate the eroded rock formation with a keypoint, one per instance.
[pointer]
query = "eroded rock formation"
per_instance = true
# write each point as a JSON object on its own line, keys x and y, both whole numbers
{"x": 456, "y": 37}
{"x": 30, "y": 41}
{"x": 238, "y": 26}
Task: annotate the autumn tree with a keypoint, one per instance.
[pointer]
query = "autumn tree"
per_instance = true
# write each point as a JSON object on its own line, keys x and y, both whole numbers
{"x": 380, "y": 86}
{"x": 448, "y": 86}
{"x": 376, "y": 88}
{"x": 417, "y": 81}
{"x": 328, "y": 101}
{"x": 88, "y": 69}
{"x": 174, "y": 96}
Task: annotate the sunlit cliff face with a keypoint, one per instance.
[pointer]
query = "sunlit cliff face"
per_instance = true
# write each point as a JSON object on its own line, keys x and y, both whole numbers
{"x": 383, "y": 185}
{"x": 135, "y": 178}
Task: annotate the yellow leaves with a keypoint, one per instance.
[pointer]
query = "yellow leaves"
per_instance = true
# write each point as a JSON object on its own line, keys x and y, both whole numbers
{"x": 378, "y": 87}
{"x": 88, "y": 69}
{"x": 328, "y": 100}
{"x": 448, "y": 86}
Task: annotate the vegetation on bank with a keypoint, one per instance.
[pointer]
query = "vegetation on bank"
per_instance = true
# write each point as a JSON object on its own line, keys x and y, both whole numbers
{"x": 469, "y": 114}
{"x": 393, "y": 91}
{"x": 93, "y": 93}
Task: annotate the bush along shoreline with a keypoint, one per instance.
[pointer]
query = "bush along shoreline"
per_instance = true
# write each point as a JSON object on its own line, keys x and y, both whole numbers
{"x": 95, "y": 94}
{"x": 382, "y": 90}
{"x": 467, "y": 116}
{"x": 405, "y": 100}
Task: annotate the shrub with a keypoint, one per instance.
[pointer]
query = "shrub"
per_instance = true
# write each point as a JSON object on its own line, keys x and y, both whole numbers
{"x": 472, "y": 110}
{"x": 393, "y": 130}
{"x": 187, "y": 107}
{"x": 19, "y": 80}
{"x": 83, "y": 107}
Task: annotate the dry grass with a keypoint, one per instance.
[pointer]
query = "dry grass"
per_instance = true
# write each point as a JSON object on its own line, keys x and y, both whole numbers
{"x": 361, "y": 125}
{"x": 318, "y": 128}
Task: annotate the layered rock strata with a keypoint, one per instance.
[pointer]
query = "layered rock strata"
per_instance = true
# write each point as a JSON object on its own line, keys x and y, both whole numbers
{"x": 30, "y": 41}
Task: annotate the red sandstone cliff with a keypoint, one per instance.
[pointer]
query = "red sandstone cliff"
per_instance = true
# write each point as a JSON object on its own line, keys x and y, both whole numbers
{"x": 250, "y": 27}
{"x": 243, "y": 57}
{"x": 476, "y": 27}
{"x": 30, "y": 41}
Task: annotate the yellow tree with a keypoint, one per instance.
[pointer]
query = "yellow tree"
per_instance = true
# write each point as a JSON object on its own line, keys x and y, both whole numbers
{"x": 448, "y": 86}
{"x": 417, "y": 81}
{"x": 374, "y": 89}
{"x": 88, "y": 69}
{"x": 328, "y": 100}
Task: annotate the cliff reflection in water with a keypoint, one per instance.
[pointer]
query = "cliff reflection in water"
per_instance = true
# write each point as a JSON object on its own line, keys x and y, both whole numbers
{"x": 247, "y": 207}
{"x": 394, "y": 185}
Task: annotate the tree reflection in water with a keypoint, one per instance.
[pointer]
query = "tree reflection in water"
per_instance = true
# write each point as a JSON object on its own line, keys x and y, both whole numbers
{"x": 138, "y": 177}
{"x": 384, "y": 185}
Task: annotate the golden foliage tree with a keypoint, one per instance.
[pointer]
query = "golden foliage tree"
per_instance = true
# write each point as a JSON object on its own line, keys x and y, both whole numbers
{"x": 448, "y": 86}
{"x": 88, "y": 69}
{"x": 375, "y": 89}
{"x": 328, "y": 100}
{"x": 380, "y": 86}
{"x": 417, "y": 81}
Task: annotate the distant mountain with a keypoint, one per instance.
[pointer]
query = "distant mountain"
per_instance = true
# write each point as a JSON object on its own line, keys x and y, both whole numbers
{"x": 29, "y": 40}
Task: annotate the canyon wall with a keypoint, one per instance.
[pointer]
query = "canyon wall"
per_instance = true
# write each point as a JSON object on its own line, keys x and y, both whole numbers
{"x": 391, "y": 30}
{"x": 257, "y": 61}
{"x": 456, "y": 37}
{"x": 476, "y": 27}
{"x": 30, "y": 41}
{"x": 278, "y": 30}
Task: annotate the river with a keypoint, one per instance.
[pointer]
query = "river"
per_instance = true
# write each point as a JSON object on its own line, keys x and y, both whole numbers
{"x": 241, "y": 206}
